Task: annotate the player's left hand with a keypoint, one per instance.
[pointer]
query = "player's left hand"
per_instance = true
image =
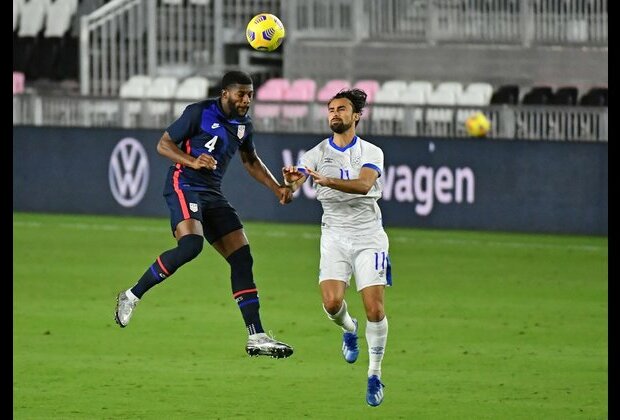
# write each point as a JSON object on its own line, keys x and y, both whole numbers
{"x": 318, "y": 178}
{"x": 285, "y": 194}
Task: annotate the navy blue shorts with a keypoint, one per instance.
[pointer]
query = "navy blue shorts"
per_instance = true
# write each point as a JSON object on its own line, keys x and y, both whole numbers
{"x": 216, "y": 221}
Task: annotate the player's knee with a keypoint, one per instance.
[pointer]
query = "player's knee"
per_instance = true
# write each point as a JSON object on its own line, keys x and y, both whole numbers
{"x": 241, "y": 262}
{"x": 374, "y": 312}
{"x": 189, "y": 247}
{"x": 332, "y": 305}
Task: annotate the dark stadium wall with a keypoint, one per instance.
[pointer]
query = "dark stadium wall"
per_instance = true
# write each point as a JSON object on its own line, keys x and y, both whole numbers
{"x": 481, "y": 184}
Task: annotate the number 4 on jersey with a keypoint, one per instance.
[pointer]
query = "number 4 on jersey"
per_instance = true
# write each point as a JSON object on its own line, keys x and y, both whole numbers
{"x": 210, "y": 145}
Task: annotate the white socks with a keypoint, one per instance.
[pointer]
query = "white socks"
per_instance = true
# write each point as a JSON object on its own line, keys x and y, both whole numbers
{"x": 342, "y": 318}
{"x": 376, "y": 337}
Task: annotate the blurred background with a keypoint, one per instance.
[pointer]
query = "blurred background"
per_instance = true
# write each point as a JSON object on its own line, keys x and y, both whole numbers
{"x": 536, "y": 68}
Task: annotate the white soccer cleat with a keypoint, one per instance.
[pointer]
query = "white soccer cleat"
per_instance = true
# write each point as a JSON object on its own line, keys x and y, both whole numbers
{"x": 124, "y": 309}
{"x": 262, "y": 345}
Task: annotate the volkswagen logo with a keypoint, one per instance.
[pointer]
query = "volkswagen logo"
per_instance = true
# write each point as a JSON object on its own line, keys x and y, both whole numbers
{"x": 128, "y": 172}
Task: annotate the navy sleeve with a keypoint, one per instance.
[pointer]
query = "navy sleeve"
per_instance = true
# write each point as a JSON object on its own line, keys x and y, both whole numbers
{"x": 187, "y": 124}
{"x": 248, "y": 143}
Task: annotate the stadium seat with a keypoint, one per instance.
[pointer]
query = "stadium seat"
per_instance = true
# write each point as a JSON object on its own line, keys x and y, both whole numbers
{"x": 566, "y": 95}
{"x": 57, "y": 24}
{"x": 423, "y": 86}
{"x": 191, "y": 89}
{"x": 455, "y": 87}
{"x": 276, "y": 83}
{"x": 134, "y": 88}
{"x": 17, "y": 5}
{"x": 485, "y": 88}
{"x": 18, "y": 82}
{"x": 327, "y": 92}
{"x": 301, "y": 90}
{"x": 272, "y": 90}
{"x": 597, "y": 96}
{"x": 161, "y": 90}
{"x": 331, "y": 88}
{"x": 395, "y": 85}
{"x": 506, "y": 94}
{"x": 386, "y": 118}
{"x": 31, "y": 20}
{"x": 413, "y": 115}
{"x": 439, "y": 120}
{"x": 538, "y": 95}
{"x": 370, "y": 86}
{"x": 474, "y": 98}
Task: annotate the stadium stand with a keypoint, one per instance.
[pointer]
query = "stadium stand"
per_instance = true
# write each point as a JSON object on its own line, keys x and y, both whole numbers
{"x": 133, "y": 91}
{"x": 18, "y": 82}
{"x": 486, "y": 89}
{"x": 190, "y": 89}
{"x": 596, "y": 96}
{"x": 160, "y": 91}
{"x": 119, "y": 46}
{"x": 451, "y": 86}
{"x": 370, "y": 86}
{"x": 301, "y": 90}
{"x": 272, "y": 90}
{"x": 57, "y": 24}
{"x": 506, "y": 95}
{"x": 538, "y": 95}
{"x": 566, "y": 95}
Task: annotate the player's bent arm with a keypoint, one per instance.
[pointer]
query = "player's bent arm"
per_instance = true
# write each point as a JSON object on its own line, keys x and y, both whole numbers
{"x": 361, "y": 185}
{"x": 259, "y": 171}
{"x": 168, "y": 148}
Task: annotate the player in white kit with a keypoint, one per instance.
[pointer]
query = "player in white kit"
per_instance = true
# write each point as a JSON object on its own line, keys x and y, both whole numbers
{"x": 347, "y": 173}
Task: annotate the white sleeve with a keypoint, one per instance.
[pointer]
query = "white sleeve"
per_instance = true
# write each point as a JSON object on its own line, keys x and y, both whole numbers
{"x": 310, "y": 158}
{"x": 373, "y": 158}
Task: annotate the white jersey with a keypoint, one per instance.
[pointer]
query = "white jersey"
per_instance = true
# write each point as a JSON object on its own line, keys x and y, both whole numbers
{"x": 341, "y": 210}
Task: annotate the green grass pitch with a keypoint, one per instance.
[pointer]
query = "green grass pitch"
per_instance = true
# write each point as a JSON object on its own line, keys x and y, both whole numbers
{"x": 482, "y": 325}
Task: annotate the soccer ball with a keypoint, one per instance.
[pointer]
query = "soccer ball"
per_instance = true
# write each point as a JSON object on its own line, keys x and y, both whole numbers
{"x": 265, "y": 32}
{"x": 477, "y": 125}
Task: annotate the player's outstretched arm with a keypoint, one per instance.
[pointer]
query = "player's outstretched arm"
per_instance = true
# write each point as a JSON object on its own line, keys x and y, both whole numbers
{"x": 259, "y": 171}
{"x": 168, "y": 148}
{"x": 360, "y": 185}
{"x": 293, "y": 177}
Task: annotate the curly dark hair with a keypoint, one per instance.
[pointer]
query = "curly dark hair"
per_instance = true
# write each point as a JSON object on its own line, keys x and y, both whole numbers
{"x": 236, "y": 77}
{"x": 356, "y": 96}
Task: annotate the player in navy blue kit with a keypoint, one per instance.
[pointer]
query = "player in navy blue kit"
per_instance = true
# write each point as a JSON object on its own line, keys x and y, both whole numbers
{"x": 201, "y": 143}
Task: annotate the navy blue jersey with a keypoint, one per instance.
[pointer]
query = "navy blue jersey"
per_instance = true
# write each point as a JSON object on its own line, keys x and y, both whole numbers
{"x": 204, "y": 128}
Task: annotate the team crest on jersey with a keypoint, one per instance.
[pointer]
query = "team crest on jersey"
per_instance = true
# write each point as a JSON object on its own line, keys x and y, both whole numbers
{"x": 193, "y": 207}
{"x": 240, "y": 131}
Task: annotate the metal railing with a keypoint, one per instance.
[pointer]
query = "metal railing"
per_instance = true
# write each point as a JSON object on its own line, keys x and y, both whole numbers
{"x": 564, "y": 123}
{"x": 128, "y": 37}
{"x": 519, "y": 22}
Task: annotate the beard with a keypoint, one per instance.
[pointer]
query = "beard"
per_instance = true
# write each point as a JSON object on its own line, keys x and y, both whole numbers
{"x": 339, "y": 126}
{"x": 234, "y": 111}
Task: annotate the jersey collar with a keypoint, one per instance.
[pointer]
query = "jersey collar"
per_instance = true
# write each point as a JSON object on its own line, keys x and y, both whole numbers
{"x": 342, "y": 149}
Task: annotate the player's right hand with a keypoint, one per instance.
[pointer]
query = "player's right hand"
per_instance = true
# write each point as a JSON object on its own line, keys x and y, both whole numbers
{"x": 205, "y": 161}
{"x": 291, "y": 174}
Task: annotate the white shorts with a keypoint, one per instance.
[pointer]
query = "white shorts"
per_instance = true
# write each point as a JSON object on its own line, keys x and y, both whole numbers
{"x": 364, "y": 256}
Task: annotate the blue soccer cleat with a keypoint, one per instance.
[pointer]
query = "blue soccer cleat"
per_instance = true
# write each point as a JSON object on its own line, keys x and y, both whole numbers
{"x": 350, "y": 349}
{"x": 374, "y": 394}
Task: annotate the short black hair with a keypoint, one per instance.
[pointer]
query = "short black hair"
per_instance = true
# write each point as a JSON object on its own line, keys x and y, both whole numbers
{"x": 356, "y": 96}
{"x": 236, "y": 77}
